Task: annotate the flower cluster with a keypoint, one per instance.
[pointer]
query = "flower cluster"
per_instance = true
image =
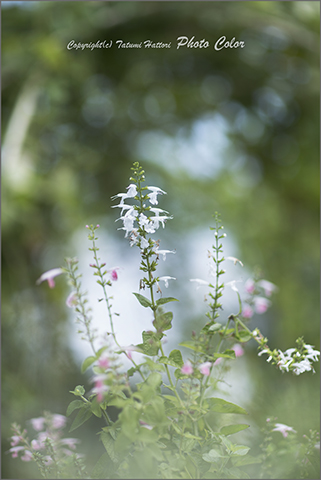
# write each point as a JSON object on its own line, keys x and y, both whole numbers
{"x": 257, "y": 301}
{"x": 296, "y": 360}
{"x": 107, "y": 372}
{"x": 48, "y": 443}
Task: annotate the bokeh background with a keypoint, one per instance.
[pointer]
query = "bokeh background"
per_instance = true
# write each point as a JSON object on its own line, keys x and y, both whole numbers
{"x": 234, "y": 131}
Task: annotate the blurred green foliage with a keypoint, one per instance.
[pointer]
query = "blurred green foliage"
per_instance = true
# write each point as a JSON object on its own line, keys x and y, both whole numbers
{"x": 74, "y": 121}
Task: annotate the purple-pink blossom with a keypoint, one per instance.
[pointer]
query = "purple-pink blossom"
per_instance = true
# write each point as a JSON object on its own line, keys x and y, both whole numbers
{"x": 38, "y": 423}
{"x": 249, "y": 286}
{"x": 247, "y": 311}
{"x": 27, "y": 456}
{"x": 238, "y": 350}
{"x": 205, "y": 368}
{"x": 284, "y": 429}
{"x": 268, "y": 287}
{"x": 261, "y": 304}
{"x": 72, "y": 300}
{"x": 58, "y": 421}
{"x": 14, "y": 451}
{"x": 49, "y": 276}
{"x": 187, "y": 368}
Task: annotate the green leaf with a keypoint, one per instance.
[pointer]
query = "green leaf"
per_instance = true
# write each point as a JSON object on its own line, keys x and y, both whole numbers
{"x": 163, "y": 321}
{"x": 240, "y": 450}
{"x": 227, "y": 354}
{"x": 74, "y": 405}
{"x": 243, "y": 336}
{"x": 212, "y": 456}
{"x": 154, "y": 380}
{"x": 176, "y": 357}
{"x": 222, "y": 406}
{"x": 143, "y": 300}
{"x": 109, "y": 445}
{"x": 79, "y": 391}
{"x": 83, "y": 415}
{"x": 162, "y": 301}
{"x": 150, "y": 345}
{"x": 190, "y": 344}
{"x": 230, "y": 429}
{"x": 95, "y": 408}
{"x": 87, "y": 362}
{"x": 245, "y": 460}
{"x": 214, "y": 327}
{"x": 101, "y": 467}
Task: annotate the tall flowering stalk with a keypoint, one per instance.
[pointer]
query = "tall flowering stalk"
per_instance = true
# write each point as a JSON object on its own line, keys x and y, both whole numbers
{"x": 168, "y": 425}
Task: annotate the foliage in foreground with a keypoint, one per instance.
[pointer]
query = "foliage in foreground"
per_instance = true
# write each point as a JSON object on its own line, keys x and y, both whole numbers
{"x": 169, "y": 424}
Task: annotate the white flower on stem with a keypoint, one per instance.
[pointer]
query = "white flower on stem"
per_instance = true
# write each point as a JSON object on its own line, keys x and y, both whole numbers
{"x": 143, "y": 243}
{"x": 199, "y": 282}
{"x": 261, "y": 304}
{"x": 131, "y": 191}
{"x": 165, "y": 279}
{"x": 235, "y": 260}
{"x": 153, "y": 196}
{"x": 312, "y": 354}
{"x": 232, "y": 285}
{"x": 205, "y": 368}
{"x": 49, "y": 276}
{"x": 285, "y": 361}
{"x": 300, "y": 367}
{"x": 122, "y": 206}
{"x": 268, "y": 287}
{"x": 284, "y": 429}
{"x": 163, "y": 252}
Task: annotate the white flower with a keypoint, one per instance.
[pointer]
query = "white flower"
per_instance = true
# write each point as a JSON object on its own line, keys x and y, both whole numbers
{"x": 235, "y": 260}
{"x": 163, "y": 252}
{"x": 284, "y": 429}
{"x": 232, "y": 285}
{"x": 153, "y": 196}
{"x": 300, "y": 367}
{"x": 131, "y": 191}
{"x": 199, "y": 282}
{"x": 165, "y": 279}
{"x": 312, "y": 354}
{"x": 143, "y": 243}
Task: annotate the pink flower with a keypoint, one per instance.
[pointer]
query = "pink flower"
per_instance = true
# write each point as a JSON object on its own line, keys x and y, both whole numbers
{"x": 100, "y": 387}
{"x": 58, "y": 421}
{"x": 247, "y": 311}
{"x": 268, "y": 287}
{"x": 104, "y": 362}
{"x": 249, "y": 286}
{"x": 284, "y": 429}
{"x": 238, "y": 350}
{"x": 37, "y": 445}
{"x": 49, "y": 276}
{"x": 15, "y": 439}
{"x": 114, "y": 275}
{"x": 27, "y": 456}
{"x": 261, "y": 304}
{"x": 72, "y": 300}
{"x": 14, "y": 451}
{"x": 204, "y": 368}
{"x": 187, "y": 368}
{"x": 218, "y": 361}
{"x": 37, "y": 423}
{"x": 70, "y": 442}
